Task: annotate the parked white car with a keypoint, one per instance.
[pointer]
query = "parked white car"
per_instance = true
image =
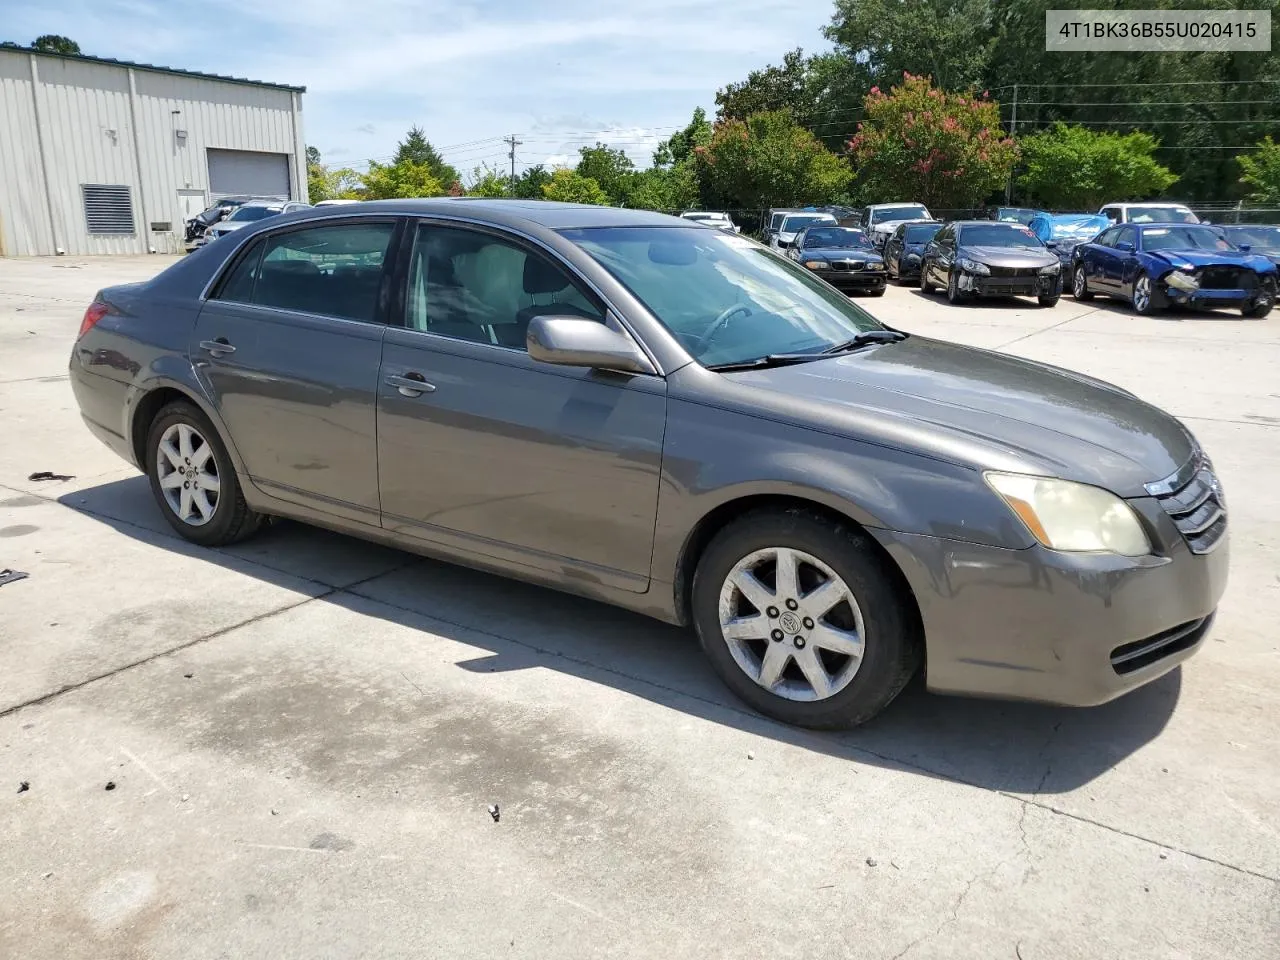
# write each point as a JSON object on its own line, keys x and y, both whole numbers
{"x": 879, "y": 220}
{"x": 712, "y": 218}
{"x": 793, "y": 224}
{"x": 252, "y": 212}
{"x": 1148, "y": 213}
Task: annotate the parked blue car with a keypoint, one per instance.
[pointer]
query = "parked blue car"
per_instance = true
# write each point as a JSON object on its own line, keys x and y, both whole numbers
{"x": 1154, "y": 265}
{"x": 1259, "y": 238}
{"x": 1067, "y": 231}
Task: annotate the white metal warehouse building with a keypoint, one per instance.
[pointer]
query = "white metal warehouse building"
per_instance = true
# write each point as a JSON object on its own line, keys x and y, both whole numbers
{"x": 106, "y": 157}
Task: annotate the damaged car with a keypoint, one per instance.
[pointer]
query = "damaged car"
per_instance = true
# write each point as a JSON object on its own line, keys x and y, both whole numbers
{"x": 1154, "y": 266}
{"x": 984, "y": 258}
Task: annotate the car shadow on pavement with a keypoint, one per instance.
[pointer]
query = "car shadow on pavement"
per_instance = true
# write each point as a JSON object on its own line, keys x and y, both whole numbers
{"x": 1004, "y": 746}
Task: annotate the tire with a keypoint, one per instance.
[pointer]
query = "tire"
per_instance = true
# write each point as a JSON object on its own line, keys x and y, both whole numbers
{"x": 229, "y": 518}
{"x": 1257, "y": 311}
{"x": 1048, "y": 301}
{"x": 925, "y": 286}
{"x": 1143, "y": 304}
{"x": 954, "y": 296}
{"x": 1080, "y": 284}
{"x": 877, "y": 292}
{"x": 880, "y": 614}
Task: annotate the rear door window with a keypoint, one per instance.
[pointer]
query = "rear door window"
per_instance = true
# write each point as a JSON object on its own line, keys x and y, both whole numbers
{"x": 335, "y": 270}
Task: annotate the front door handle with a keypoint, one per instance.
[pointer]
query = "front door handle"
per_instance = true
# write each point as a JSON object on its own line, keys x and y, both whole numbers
{"x": 412, "y": 384}
{"x": 218, "y": 348}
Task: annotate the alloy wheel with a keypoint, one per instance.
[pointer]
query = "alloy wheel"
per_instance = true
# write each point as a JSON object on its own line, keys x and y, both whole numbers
{"x": 1079, "y": 285}
{"x": 792, "y": 624}
{"x": 188, "y": 474}
{"x": 1142, "y": 294}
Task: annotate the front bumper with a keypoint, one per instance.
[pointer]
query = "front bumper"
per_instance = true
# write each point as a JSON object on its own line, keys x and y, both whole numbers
{"x": 849, "y": 280}
{"x": 1209, "y": 299}
{"x": 1036, "y": 286}
{"x": 1036, "y": 624}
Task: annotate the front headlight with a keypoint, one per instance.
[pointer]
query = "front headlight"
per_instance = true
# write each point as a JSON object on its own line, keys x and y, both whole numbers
{"x": 1072, "y": 517}
{"x": 875, "y": 265}
{"x": 1051, "y": 270}
{"x": 973, "y": 266}
{"x": 816, "y": 264}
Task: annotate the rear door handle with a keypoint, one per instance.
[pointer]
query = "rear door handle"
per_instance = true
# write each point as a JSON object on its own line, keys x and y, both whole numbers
{"x": 217, "y": 348}
{"x": 411, "y": 384}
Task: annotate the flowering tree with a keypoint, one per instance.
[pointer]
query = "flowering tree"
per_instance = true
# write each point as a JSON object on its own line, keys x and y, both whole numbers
{"x": 946, "y": 150}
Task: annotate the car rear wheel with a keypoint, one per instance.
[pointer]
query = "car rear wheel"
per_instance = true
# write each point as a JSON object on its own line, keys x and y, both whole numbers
{"x": 801, "y": 620}
{"x": 1048, "y": 301}
{"x": 193, "y": 480}
{"x": 1080, "y": 284}
{"x": 1143, "y": 295}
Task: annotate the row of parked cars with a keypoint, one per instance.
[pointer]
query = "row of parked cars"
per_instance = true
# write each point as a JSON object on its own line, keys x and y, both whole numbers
{"x": 228, "y": 214}
{"x": 1152, "y": 255}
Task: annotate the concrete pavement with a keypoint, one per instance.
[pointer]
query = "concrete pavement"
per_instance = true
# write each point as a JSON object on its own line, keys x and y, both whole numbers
{"x": 305, "y": 731}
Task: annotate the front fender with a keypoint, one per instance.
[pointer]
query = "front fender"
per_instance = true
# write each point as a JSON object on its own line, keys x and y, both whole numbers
{"x": 713, "y": 457}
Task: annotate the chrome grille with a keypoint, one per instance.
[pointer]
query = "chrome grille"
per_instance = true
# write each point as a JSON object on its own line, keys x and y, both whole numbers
{"x": 853, "y": 265}
{"x": 1195, "y": 503}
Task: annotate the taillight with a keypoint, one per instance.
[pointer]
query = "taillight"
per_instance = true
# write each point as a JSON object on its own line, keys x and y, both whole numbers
{"x": 97, "y": 310}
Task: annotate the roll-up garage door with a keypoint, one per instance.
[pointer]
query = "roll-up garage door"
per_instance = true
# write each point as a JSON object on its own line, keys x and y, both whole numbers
{"x": 248, "y": 173}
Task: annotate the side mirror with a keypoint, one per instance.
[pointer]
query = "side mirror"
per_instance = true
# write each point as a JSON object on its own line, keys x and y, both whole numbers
{"x": 1124, "y": 246}
{"x": 577, "y": 342}
{"x": 1245, "y": 247}
{"x": 1051, "y": 244}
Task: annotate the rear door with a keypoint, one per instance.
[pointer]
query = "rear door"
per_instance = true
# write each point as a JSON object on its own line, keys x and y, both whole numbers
{"x": 488, "y": 452}
{"x": 288, "y": 348}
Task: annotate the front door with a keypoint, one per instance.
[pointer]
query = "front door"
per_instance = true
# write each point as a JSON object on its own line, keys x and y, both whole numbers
{"x": 289, "y": 346}
{"x": 485, "y": 450}
{"x": 1115, "y": 260}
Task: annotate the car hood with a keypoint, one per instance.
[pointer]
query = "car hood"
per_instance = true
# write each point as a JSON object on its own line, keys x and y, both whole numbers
{"x": 1008, "y": 256}
{"x": 984, "y": 409}
{"x": 1209, "y": 258}
{"x": 226, "y": 226}
{"x": 841, "y": 253}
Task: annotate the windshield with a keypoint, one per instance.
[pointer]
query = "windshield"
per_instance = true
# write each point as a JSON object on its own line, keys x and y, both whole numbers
{"x": 1259, "y": 238}
{"x": 1161, "y": 215}
{"x": 997, "y": 235}
{"x": 1086, "y": 227}
{"x": 836, "y": 237}
{"x": 776, "y": 222}
{"x": 725, "y": 298}
{"x": 254, "y": 213}
{"x": 796, "y": 224}
{"x": 706, "y": 216}
{"x": 922, "y": 233}
{"x": 1183, "y": 238}
{"x": 887, "y": 214}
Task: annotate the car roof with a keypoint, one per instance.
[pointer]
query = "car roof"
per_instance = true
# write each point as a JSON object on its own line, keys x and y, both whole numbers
{"x": 544, "y": 213}
{"x": 900, "y": 203}
{"x": 1011, "y": 224}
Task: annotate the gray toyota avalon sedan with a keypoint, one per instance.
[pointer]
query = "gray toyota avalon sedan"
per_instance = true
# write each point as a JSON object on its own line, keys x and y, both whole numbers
{"x": 674, "y": 420}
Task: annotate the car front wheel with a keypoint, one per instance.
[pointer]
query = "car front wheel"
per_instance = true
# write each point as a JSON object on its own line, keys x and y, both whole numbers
{"x": 954, "y": 293}
{"x": 193, "y": 479}
{"x": 801, "y": 620}
{"x": 925, "y": 285}
{"x": 1143, "y": 295}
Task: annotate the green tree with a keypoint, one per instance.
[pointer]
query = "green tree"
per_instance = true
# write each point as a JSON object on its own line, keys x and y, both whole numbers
{"x": 769, "y": 160}
{"x": 400, "y": 181}
{"x": 488, "y": 182}
{"x": 313, "y": 156}
{"x": 1073, "y": 168}
{"x": 946, "y": 150}
{"x": 681, "y": 144}
{"x": 530, "y": 183}
{"x": 666, "y": 190}
{"x": 610, "y": 168}
{"x": 340, "y": 184}
{"x": 416, "y": 148}
{"x": 569, "y": 186}
{"x": 772, "y": 88}
{"x": 1260, "y": 172}
{"x": 53, "y": 43}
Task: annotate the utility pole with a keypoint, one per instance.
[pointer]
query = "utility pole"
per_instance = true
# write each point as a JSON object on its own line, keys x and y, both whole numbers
{"x": 512, "y": 142}
{"x": 1013, "y": 135}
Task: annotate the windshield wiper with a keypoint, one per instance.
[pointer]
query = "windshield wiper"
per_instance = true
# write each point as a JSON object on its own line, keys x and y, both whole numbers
{"x": 760, "y": 363}
{"x": 865, "y": 338}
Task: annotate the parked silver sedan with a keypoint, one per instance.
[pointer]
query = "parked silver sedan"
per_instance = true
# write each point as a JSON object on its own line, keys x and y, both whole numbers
{"x": 675, "y": 420}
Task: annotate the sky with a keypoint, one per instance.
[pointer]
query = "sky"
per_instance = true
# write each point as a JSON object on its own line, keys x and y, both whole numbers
{"x": 468, "y": 72}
